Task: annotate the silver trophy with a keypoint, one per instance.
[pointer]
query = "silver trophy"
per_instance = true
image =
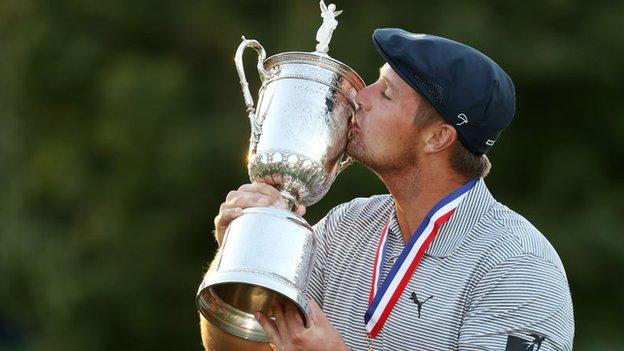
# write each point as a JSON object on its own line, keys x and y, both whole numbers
{"x": 298, "y": 137}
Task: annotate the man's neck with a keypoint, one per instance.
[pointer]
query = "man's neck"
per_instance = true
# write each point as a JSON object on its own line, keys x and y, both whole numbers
{"x": 415, "y": 193}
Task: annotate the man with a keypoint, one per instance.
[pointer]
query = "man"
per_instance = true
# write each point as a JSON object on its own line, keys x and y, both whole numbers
{"x": 438, "y": 264}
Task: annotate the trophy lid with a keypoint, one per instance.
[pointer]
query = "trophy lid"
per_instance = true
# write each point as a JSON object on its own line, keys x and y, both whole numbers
{"x": 318, "y": 60}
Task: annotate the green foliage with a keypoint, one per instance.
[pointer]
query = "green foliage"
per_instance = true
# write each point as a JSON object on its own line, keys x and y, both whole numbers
{"x": 122, "y": 128}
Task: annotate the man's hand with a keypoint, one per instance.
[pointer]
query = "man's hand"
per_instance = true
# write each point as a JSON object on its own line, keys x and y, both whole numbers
{"x": 287, "y": 332}
{"x": 256, "y": 194}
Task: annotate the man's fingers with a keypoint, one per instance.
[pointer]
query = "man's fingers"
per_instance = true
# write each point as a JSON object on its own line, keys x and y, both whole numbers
{"x": 229, "y": 214}
{"x": 263, "y": 188}
{"x": 245, "y": 200}
{"x": 226, "y": 216}
{"x": 256, "y": 194}
{"x": 280, "y": 321}
{"x": 270, "y": 329}
{"x": 293, "y": 318}
{"x": 223, "y": 220}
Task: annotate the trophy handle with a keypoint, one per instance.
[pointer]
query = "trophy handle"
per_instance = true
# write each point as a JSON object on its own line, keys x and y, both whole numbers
{"x": 256, "y": 124}
{"x": 238, "y": 59}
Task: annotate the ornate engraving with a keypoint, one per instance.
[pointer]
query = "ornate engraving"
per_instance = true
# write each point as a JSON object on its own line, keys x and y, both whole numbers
{"x": 292, "y": 172}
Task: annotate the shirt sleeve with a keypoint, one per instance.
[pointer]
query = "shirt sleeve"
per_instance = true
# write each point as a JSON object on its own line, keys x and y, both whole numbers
{"x": 323, "y": 231}
{"x": 521, "y": 304}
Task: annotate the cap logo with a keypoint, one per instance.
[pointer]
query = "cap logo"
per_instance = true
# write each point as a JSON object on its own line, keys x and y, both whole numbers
{"x": 462, "y": 117}
{"x": 490, "y": 142}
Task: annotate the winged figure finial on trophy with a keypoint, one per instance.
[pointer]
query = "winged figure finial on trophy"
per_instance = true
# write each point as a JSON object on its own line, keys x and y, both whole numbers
{"x": 324, "y": 33}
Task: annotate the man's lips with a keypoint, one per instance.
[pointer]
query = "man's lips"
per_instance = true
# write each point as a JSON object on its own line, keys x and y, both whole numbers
{"x": 353, "y": 125}
{"x": 353, "y": 128}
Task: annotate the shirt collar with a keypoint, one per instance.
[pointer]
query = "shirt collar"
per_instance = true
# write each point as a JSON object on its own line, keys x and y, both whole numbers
{"x": 466, "y": 216}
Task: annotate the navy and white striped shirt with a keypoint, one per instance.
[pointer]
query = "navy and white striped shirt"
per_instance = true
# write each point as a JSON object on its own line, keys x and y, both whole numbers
{"x": 490, "y": 279}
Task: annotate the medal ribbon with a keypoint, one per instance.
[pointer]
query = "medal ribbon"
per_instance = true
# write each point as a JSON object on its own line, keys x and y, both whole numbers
{"x": 381, "y": 300}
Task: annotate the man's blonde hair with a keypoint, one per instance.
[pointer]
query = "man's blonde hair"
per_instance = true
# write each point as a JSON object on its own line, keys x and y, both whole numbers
{"x": 463, "y": 161}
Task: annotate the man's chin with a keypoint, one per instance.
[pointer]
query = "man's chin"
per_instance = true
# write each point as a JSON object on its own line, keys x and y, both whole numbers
{"x": 351, "y": 151}
{"x": 355, "y": 152}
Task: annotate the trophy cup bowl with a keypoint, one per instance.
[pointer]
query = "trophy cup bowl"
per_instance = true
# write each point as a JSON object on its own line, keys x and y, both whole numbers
{"x": 304, "y": 109}
{"x": 298, "y": 138}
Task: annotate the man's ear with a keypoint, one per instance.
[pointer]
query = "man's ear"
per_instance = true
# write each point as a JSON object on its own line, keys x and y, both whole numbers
{"x": 439, "y": 137}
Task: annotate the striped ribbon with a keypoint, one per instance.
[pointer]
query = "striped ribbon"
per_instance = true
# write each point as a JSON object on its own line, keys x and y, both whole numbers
{"x": 381, "y": 299}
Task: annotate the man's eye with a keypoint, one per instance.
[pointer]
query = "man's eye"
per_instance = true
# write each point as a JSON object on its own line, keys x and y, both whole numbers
{"x": 385, "y": 96}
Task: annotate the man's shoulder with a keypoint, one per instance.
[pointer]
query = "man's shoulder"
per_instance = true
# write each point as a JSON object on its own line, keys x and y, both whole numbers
{"x": 519, "y": 281}
{"x": 375, "y": 203}
{"x": 516, "y": 235}
{"x": 354, "y": 215}
{"x": 366, "y": 207}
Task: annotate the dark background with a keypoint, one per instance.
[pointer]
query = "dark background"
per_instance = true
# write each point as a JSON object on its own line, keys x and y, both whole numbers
{"x": 122, "y": 128}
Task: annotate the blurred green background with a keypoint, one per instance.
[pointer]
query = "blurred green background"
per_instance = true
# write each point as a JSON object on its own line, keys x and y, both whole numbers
{"x": 122, "y": 128}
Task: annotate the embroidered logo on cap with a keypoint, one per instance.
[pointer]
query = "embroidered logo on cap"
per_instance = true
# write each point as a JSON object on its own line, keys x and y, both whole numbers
{"x": 490, "y": 142}
{"x": 463, "y": 118}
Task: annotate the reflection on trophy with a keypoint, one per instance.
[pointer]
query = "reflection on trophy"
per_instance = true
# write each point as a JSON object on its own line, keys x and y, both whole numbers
{"x": 298, "y": 137}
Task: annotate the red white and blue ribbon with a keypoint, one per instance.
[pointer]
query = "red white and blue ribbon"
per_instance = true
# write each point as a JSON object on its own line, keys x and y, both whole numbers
{"x": 382, "y": 299}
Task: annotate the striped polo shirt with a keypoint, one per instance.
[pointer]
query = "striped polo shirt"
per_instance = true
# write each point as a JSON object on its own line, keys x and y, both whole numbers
{"x": 489, "y": 281}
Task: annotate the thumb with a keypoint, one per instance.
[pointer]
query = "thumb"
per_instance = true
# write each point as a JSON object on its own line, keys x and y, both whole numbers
{"x": 300, "y": 210}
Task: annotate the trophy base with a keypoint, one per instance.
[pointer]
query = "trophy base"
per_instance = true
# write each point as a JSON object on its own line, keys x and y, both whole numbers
{"x": 231, "y": 303}
{"x": 266, "y": 257}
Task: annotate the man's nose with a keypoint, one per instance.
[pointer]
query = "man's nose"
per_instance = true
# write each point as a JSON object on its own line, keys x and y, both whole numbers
{"x": 363, "y": 98}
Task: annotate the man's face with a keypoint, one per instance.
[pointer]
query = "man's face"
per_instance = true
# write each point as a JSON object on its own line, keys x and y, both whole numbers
{"x": 384, "y": 136}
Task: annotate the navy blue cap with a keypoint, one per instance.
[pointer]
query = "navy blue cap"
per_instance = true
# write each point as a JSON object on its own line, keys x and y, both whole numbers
{"x": 469, "y": 90}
